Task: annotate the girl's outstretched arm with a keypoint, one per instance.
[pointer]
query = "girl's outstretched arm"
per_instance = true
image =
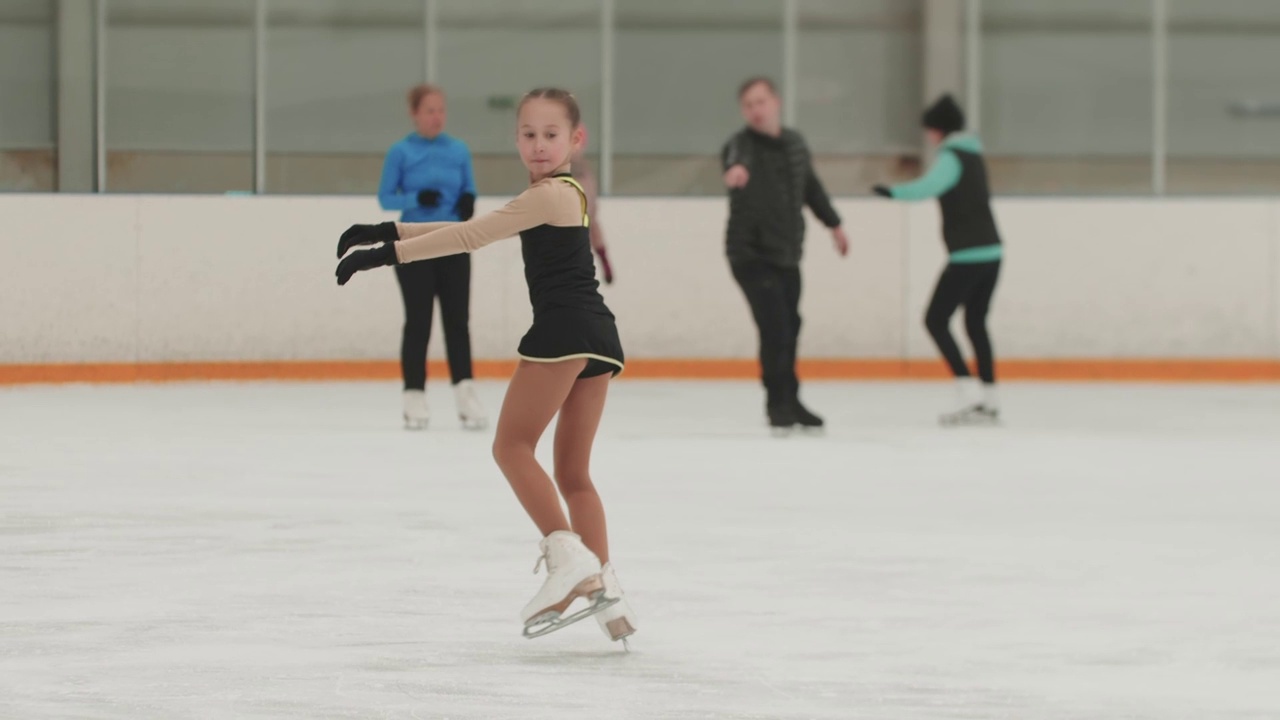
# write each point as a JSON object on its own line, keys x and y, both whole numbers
{"x": 544, "y": 203}
{"x": 536, "y": 206}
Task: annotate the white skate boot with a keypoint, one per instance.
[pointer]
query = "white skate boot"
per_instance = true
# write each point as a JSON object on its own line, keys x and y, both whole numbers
{"x": 415, "y": 410}
{"x": 573, "y": 572}
{"x": 617, "y": 622}
{"x": 991, "y": 401}
{"x": 469, "y": 410}
{"x": 978, "y": 405}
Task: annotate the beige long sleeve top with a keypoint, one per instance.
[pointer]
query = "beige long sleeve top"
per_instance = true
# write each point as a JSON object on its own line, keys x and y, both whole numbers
{"x": 549, "y": 201}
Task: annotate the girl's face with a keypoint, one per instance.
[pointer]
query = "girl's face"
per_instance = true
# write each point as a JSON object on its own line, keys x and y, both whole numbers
{"x": 545, "y": 137}
{"x": 935, "y": 137}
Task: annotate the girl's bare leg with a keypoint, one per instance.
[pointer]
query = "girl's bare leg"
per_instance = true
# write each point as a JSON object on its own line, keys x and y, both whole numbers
{"x": 537, "y": 391}
{"x": 575, "y": 434}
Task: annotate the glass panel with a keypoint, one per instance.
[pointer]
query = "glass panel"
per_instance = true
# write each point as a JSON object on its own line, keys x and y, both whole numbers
{"x": 337, "y": 76}
{"x": 1224, "y": 96}
{"x": 494, "y": 51}
{"x": 1067, "y": 96}
{"x": 859, "y": 71}
{"x": 179, "y": 95}
{"x": 28, "y": 96}
{"x": 678, "y": 65}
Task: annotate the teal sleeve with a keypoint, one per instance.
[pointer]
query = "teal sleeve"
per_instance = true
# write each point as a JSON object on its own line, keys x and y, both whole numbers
{"x": 943, "y": 176}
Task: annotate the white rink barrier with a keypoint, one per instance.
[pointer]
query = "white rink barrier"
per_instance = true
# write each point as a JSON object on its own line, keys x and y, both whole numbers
{"x": 181, "y": 279}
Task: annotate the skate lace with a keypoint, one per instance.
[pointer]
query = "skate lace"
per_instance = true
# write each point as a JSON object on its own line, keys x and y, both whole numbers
{"x": 543, "y": 561}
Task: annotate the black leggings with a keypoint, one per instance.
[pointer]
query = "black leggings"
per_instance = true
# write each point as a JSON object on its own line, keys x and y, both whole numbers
{"x": 447, "y": 278}
{"x": 774, "y": 296}
{"x": 971, "y": 286}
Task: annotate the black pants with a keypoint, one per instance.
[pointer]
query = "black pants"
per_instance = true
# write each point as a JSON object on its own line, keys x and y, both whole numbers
{"x": 774, "y": 296}
{"x": 971, "y": 286}
{"x": 447, "y": 278}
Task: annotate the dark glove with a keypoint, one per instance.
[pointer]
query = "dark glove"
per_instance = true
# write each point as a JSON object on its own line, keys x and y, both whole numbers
{"x": 380, "y": 256}
{"x": 367, "y": 235}
{"x": 466, "y": 206}
{"x": 882, "y": 191}
{"x": 429, "y": 198}
{"x": 604, "y": 266}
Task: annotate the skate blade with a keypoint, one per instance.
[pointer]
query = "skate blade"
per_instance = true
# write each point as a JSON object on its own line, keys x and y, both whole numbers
{"x": 781, "y": 432}
{"x": 544, "y": 625}
{"x": 549, "y": 621}
{"x": 952, "y": 422}
{"x": 813, "y": 431}
{"x": 474, "y": 425}
{"x": 415, "y": 425}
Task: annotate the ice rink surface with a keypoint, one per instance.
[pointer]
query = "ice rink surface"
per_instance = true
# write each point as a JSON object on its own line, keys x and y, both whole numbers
{"x": 288, "y": 551}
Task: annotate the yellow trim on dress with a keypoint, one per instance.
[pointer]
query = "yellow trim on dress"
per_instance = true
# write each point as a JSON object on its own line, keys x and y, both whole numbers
{"x": 575, "y": 356}
{"x": 586, "y": 221}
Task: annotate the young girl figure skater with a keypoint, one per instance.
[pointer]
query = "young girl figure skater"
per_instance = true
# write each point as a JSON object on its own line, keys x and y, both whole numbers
{"x": 566, "y": 359}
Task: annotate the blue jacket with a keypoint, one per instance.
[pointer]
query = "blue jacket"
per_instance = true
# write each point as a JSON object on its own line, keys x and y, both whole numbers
{"x": 415, "y": 163}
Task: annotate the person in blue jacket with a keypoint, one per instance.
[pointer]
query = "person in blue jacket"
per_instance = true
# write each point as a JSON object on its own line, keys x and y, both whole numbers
{"x": 958, "y": 179}
{"x": 428, "y": 177}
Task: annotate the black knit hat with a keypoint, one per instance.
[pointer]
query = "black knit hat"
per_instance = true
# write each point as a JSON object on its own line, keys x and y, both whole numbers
{"x": 945, "y": 115}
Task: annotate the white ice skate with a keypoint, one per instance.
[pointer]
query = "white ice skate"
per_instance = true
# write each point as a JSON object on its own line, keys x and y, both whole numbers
{"x": 573, "y": 572}
{"x": 978, "y": 405}
{"x": 973, "y": 415}
{"x": 469, "y": 410}
{"x": 617, "y": 622}
{"x": 415, "y": 410}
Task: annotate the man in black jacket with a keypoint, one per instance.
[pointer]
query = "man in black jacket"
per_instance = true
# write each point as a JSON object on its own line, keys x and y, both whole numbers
{"x": 770, "y": 177}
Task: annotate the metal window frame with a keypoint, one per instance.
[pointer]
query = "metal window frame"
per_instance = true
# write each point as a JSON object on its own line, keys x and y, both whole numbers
{"x": 1159, "y": 96}
{"x": 430, "y": 57}
{"x": 608, "y": 29}
{"x": 790, "y": 64}
{"x": 608, "y": 40}
{"x": 973, "y": 63}
{"x": 260, "y": 97}
{"x": 100, "y": 95}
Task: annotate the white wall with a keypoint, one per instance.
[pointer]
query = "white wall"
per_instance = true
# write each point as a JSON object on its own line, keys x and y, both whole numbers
{"x": 155, "y": 278}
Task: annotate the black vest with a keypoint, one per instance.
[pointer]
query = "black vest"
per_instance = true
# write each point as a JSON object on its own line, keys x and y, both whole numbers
{"x": 967, "y": 221}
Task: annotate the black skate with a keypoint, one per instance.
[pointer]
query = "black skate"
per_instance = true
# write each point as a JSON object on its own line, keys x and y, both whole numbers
{"x": 782, "y": 419}
{"x": 807, "y": 421}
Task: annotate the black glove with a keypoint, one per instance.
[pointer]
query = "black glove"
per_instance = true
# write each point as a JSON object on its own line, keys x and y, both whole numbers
{"x": 882, "y": 191}
{"x": 380, "y": 256}
{"x": 429, "y": 198}
{"x": 367, "y": 235}
{"x": 466, "y": 206}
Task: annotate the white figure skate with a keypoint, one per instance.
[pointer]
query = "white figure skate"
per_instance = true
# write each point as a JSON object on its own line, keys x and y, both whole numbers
{"x": 573, "y": 572}
{"x": 979, "y": 405}
{"x": 415, "y": 410}
{"x": 619, "y": 621}
{"x": 469, "y": 410}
